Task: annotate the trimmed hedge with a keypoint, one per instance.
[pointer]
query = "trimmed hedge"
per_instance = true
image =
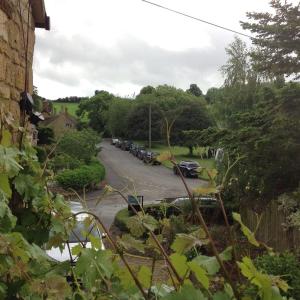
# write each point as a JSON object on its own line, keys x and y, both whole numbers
{"x": 121, "y": 219}
{"x": 84, "y": 176}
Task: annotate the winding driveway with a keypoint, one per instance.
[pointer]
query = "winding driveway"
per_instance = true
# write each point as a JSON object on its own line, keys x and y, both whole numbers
{"x": 127, "y": 173}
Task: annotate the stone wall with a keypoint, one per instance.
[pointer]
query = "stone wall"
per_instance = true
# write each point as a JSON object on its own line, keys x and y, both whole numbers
{"x": 13, "y": 40}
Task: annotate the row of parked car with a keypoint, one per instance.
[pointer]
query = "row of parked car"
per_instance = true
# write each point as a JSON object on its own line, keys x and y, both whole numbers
{"x": 147, "y": 156}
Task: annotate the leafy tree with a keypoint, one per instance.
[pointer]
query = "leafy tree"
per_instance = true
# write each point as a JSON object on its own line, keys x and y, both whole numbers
{"x": 80, "y": 145}
{"x": 277, "y": 38}
{"x": 138, "y": 121}
{"x": 96, "y": 108}
{"x": 237, "y": 67}
{"x": 118, "y": 114}
{"x": 147, "y": 90}
{"x": 195, "y": 90}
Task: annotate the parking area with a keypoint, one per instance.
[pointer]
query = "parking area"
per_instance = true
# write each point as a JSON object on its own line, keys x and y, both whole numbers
{"x": 125, "y": 172}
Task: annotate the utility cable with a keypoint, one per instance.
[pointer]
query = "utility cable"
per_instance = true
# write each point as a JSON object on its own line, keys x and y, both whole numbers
{"x": 197, "y": 19}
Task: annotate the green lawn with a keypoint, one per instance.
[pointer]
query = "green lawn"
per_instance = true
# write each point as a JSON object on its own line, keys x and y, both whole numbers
{"x": 180, "y": 153}
{"x": 72, "y": 107}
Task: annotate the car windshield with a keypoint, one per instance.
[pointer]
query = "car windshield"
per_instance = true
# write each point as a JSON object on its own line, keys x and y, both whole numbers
{"x": 80, "y": 233}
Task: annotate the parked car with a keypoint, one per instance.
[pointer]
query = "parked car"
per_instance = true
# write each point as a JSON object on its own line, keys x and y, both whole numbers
{"x": 78, "y": 236}
{"x": 125, "y": 145}
{"x": 141, "y": 153}
{"x": 132, "y": 148}
{"x": 114, "y": 141}
{"x": 151, "y": 158}
{"x": 136, "y": 150}
{"x": 187, "y": 168}
{"x": 118, "y": 143}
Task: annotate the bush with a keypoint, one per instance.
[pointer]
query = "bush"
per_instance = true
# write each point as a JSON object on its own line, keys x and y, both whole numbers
{"x": 121, "y": 219}
{"x": 80, "y": 145}
{"x": 64, "y": 161}
{"x": 285, "y": 265}
{"x": 84, "y": 176}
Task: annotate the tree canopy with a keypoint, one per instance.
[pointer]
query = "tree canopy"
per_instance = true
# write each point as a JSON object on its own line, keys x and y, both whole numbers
{"x": 277, "y": 39}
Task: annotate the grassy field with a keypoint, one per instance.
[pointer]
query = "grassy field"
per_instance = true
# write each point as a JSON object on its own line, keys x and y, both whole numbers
{"x": 72, "y": 107}
{"x": 181, "y": 153}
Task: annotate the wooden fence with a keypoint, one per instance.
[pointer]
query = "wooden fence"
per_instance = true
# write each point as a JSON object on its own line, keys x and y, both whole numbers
{"x": 271, "y": 230}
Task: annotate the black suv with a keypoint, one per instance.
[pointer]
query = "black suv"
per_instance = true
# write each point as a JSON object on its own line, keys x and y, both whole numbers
{"x": 187, "y": 168}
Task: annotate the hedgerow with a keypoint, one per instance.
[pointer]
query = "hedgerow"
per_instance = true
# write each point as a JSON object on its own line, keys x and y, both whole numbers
{"x": 84, "y": 176}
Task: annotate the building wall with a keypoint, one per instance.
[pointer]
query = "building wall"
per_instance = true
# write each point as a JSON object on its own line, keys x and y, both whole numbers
{"x": 13, "y": 27}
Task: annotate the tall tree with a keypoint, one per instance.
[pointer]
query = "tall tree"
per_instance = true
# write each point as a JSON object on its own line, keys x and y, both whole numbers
{"x": 277, "y": 38}
{"x": 195, "y": 90}
{"x": 236, "y": 69}
{"x": 96, "y": 108}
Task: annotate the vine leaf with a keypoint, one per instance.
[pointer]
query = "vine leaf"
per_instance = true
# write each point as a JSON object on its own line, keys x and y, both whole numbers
{"x": 187, "y": 292}
{"x": 150, "y": 222}
{"x": 179, "y": 262}
{"x": 200, "y": 274}
{"x": 144, "y": 276}
{"x": 185, "y": 242}
{"x": 129, "y": 242}
{"x": 210, "y": 263}
{"x": 135, "y": 226}
{"x": 268, "y": 285}
{"x": 8, "y": 161}
{"x": 246, "y": 231}
{"x": 4, "y": 185}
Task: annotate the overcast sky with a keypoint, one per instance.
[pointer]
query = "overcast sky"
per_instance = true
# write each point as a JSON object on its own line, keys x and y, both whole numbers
{"x": 123, "y": 45}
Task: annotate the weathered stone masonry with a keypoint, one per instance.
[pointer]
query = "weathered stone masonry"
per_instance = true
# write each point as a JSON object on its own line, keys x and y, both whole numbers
{"x": 13, "y": 45}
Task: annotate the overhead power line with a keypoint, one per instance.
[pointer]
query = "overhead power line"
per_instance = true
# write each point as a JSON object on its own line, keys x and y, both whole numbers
{"x": 197, "y": 19}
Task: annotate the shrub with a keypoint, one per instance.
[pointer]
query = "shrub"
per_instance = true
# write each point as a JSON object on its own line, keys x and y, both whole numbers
{"x": 285, "y": 265}
{"x": 121, "y": 219}
{"x": 80, "y": 145}
{"x": 84, "y": 176}
{"x": 64, "y": 161}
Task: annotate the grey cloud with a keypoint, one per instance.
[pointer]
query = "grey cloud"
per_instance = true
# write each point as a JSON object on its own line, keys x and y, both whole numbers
{"x": 130, "y": 61}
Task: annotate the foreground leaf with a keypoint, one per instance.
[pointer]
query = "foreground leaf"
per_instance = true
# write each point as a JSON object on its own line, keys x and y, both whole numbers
{"x": 246, "y": 231}
{"x": 144, "y": 276}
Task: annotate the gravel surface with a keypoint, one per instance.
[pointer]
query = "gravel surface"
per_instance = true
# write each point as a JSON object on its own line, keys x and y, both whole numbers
{"x": 129, "y": 174}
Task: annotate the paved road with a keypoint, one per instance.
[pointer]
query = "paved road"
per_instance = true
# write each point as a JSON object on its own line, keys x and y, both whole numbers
{"x": 127, "y": 173}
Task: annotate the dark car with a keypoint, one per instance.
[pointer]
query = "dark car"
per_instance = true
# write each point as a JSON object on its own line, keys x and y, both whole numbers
{"x": 151, "y": 158}
{"x": 136, "y": 150}
{"x": 141, "y": 153}
{"x": 126, "y": 145}
{"x": 187, "y": 168}
{"x": 133, "y": 148}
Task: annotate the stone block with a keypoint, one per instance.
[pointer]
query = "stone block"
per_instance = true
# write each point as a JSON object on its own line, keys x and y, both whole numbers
{"x": 3, "y": 26}
{"x": 15, "y": 94}
{"x": 3, "y": 63}
{"x": 15, "y": 37}
{"x": 19, "y": 77}
{"x": 14, "y": 109}
{"x": 4, "y": 91}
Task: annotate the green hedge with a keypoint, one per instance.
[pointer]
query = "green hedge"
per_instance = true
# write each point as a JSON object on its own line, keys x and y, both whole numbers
{"x": 121, "y": 219}
{"x": 84, "y": 176}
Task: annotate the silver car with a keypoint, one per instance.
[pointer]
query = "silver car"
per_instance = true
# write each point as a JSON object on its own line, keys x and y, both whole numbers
{"x": 80, "y": 235}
